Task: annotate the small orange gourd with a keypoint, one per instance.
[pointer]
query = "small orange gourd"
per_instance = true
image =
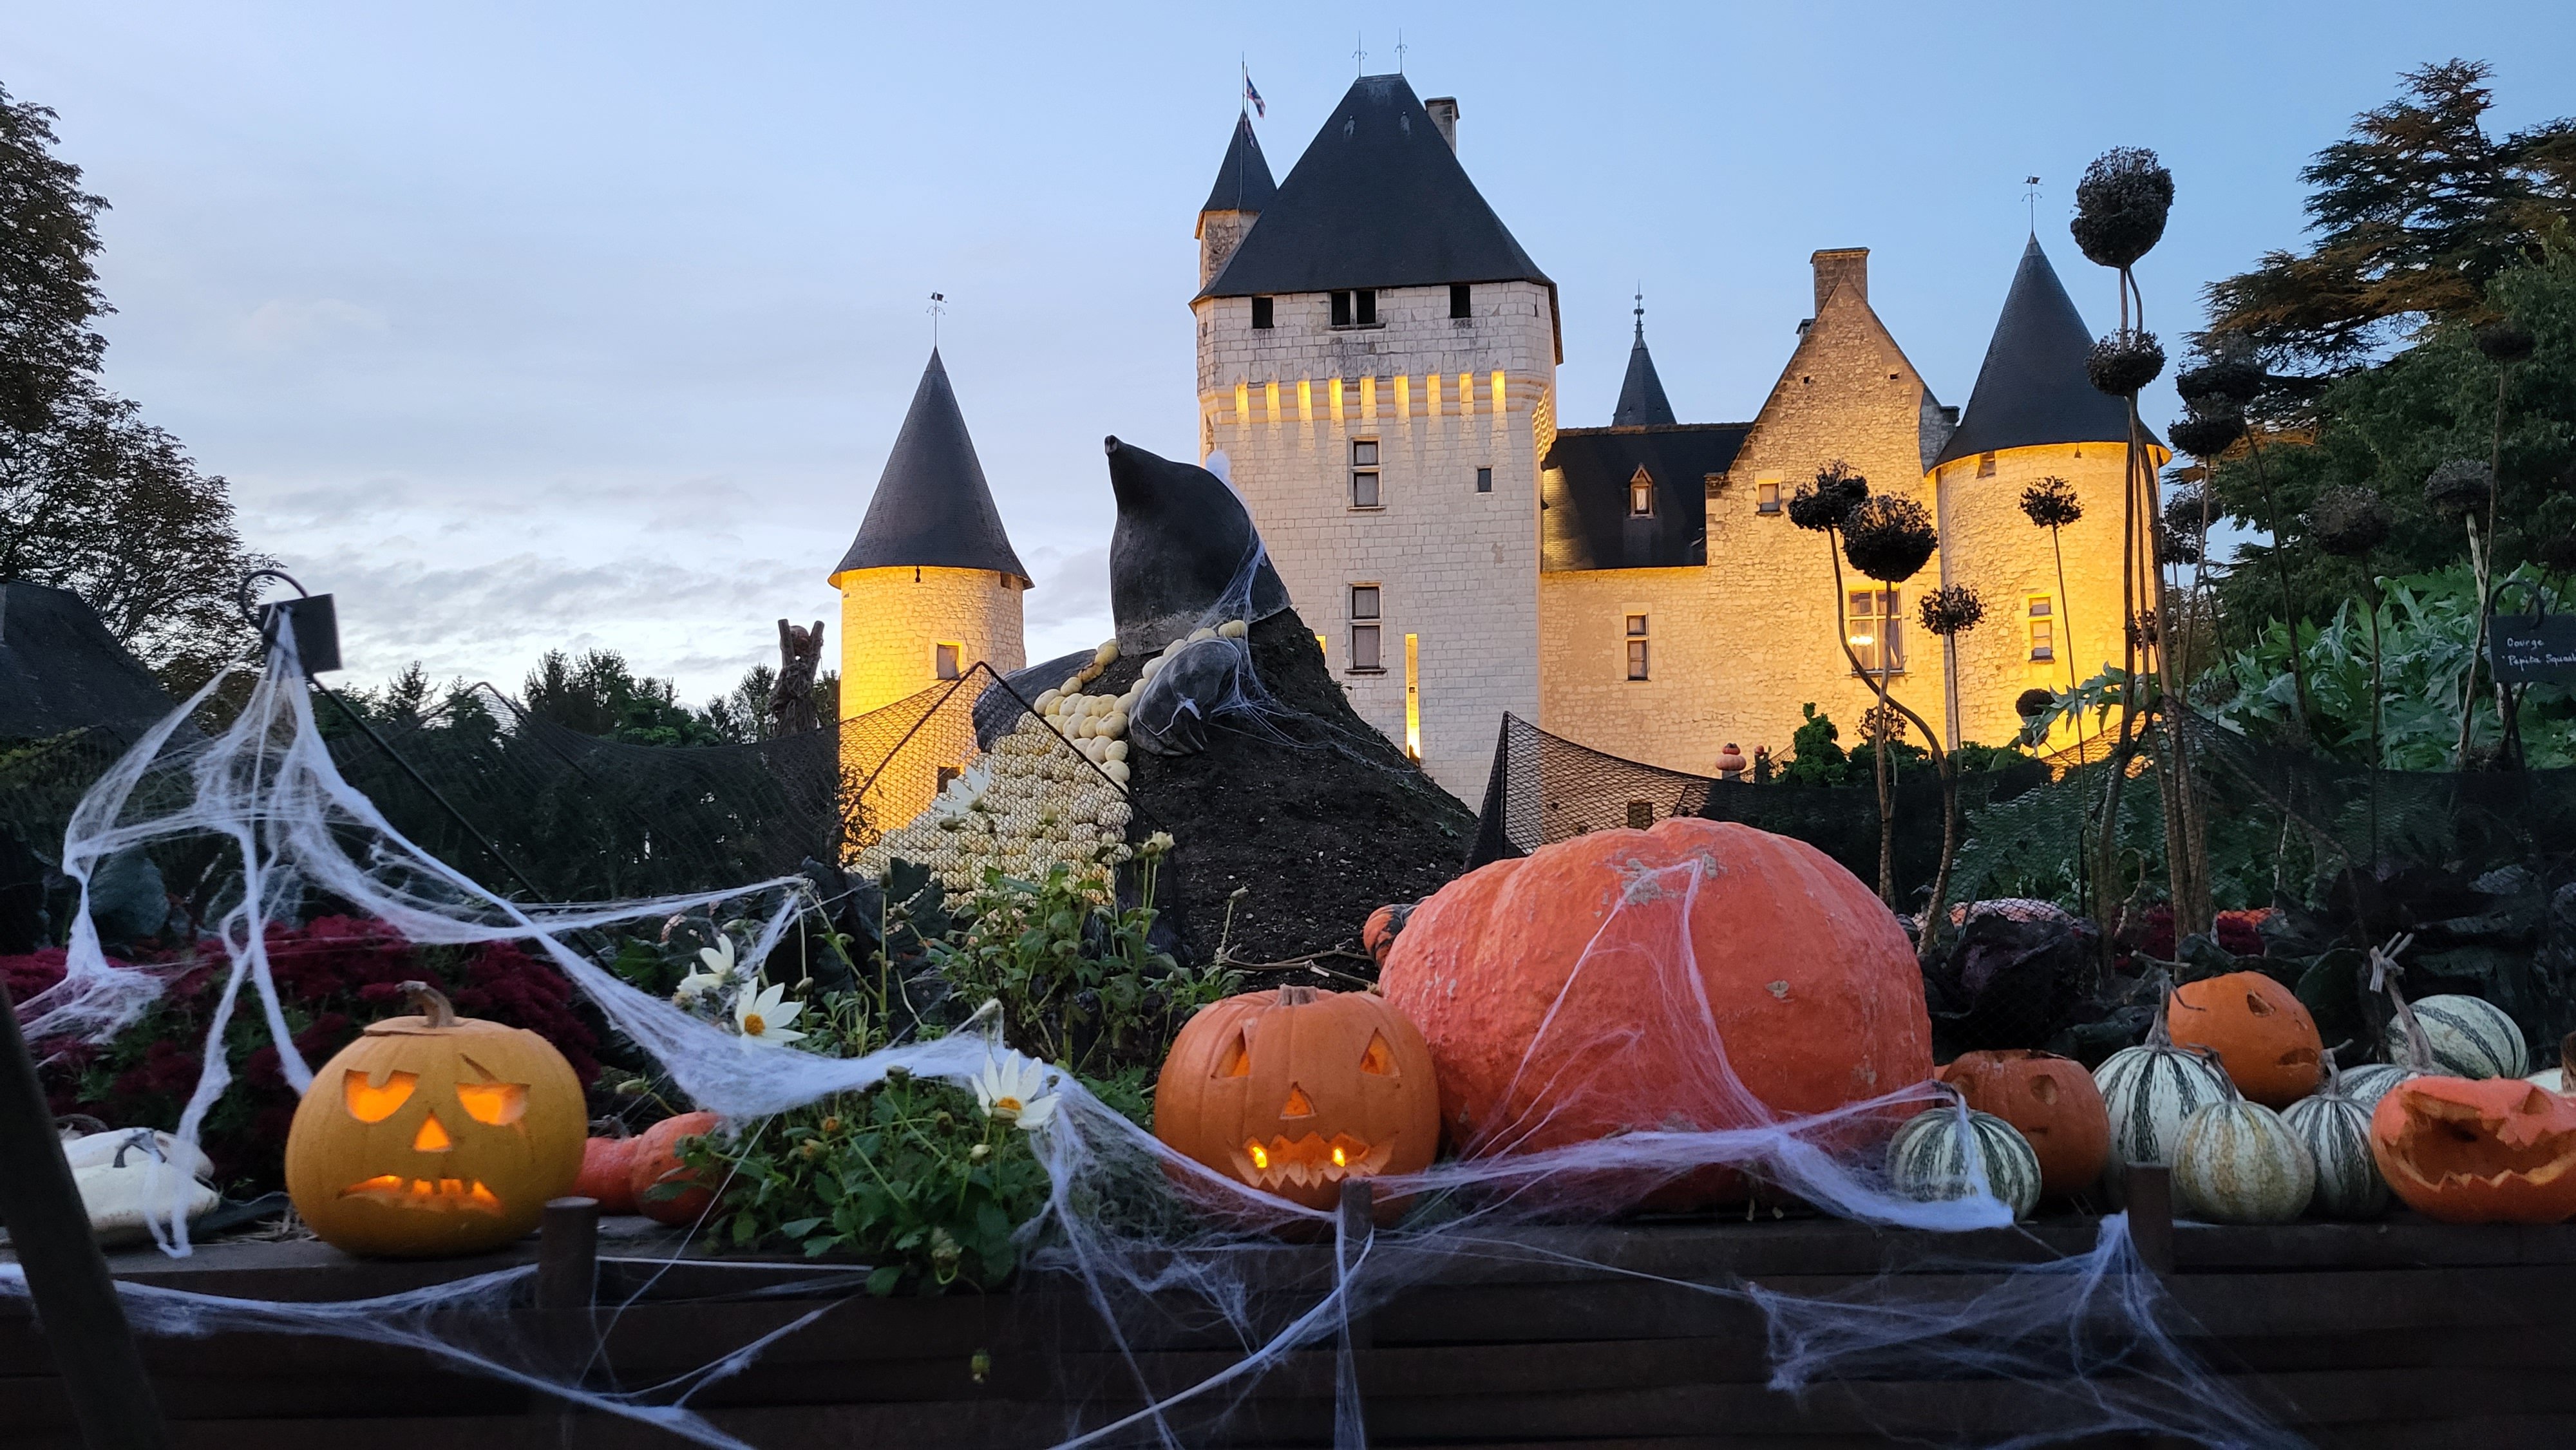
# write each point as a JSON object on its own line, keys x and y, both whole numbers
{"x": 2262, "y": 1033}
{"x": 604, "y": 1164}
{"x": 434, "y": 1134}
{"x": 655, "y": 1162}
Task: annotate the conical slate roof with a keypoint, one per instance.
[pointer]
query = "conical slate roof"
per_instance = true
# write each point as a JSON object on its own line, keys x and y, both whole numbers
{"x": 1378, "y": 200}
{"x": 932, "y": 508}
{"x": 2032, "y": 389}
{"x": 1641, "y": 396}
{"x": 1243, "y": 182}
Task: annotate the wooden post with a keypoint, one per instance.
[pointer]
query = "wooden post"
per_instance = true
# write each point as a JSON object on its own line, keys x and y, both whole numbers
{"x": 2151, "y": 1227}
{"x": 67, "y": 1276}
{"x": 568, "y": 1254}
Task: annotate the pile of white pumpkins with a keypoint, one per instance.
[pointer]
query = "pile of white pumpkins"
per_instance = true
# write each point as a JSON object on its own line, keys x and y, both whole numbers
{"x": 2235, "y": 1094}
{"x": 1052, "y": 791}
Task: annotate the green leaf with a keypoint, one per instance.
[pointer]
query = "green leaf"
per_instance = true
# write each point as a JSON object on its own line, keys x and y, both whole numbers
{"x": 798, "y": 1228}
{"x": 882, "y": 1282}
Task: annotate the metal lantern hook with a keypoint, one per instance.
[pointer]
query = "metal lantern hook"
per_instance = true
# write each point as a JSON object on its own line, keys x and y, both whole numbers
{"x": 313, "y": 618}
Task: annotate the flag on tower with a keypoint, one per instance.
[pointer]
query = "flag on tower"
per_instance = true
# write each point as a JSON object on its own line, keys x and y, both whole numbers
{"x": 1252, "y": 98}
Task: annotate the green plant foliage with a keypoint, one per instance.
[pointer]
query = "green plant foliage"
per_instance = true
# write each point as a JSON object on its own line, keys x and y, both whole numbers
{"x": 1814, "y": 758}
{"x": 909, "y": 1175}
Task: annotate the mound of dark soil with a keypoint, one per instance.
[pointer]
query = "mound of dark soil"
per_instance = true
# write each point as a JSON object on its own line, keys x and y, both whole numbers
{"x": 1316, "y": 817}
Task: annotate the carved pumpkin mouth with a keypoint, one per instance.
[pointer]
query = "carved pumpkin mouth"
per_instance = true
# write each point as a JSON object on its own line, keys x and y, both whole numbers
{"x": 1306, "y": 1161}
{"x": 439, "y": 1195}
{"x": 2447, "y": 1143}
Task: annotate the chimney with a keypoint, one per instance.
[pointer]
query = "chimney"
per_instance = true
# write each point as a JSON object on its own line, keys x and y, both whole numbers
{"x": 1444, "y": 114}
{"x": 1843, "y": 267}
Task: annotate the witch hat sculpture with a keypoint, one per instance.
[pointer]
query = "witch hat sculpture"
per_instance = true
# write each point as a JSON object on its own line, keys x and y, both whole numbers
{"x": 1185, "y": 552}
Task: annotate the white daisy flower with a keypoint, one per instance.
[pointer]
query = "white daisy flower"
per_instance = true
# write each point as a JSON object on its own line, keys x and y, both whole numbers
{"x": 767, "y": 1017}
{"x": 718, "y": 960}
{"x": 1013, "y": 1088}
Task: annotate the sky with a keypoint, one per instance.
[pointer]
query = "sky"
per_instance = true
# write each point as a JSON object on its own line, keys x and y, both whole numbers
{"x": 526, "y": 327}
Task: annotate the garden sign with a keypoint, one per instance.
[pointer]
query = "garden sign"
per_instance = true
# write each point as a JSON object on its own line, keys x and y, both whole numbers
{"x": 2535, "y": 649}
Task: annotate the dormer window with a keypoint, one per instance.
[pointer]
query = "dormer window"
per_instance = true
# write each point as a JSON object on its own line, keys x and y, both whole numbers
{"x": 1355, "y": 308}
{"x": 1261, "y": 313}
{"x": 1641, "y": 496}
{"x": 1460, "y": 300}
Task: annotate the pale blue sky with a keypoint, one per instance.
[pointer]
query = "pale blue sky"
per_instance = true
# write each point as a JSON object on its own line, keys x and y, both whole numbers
{"x": 519, "y": 326}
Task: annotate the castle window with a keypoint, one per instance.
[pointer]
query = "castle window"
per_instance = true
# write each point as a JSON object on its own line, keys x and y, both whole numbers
{"x": 2043, "y": 627}
{"x": 1985, "y": 465}
{"x": 1637, "y": 647}
{"x": 1355, "y": 308}
{"x": 1261, "y": 312}
{"x": 1484, "y": 480}
{"x": 1641, "y": 495}
{"x": 1766, "y": 496}
{"x": 1874, "y": 620}
{"x": 1365, "y": 657}
{"x": 1458, "y": 300}
{"x": 944, "y": 659}
{"x": 1364, "y": 476}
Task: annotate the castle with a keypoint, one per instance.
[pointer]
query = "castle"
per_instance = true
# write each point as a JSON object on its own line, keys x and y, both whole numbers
{"x": 1377, "y": 364}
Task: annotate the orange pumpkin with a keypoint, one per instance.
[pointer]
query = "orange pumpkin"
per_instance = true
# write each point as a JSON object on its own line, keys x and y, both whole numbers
{"x": 655, "y": 1160}
{"x": 604, "y": 1165}
{"x": 1294, "y": 1091}
{"x": 434, "y": 1134}
{"x": 2494, "y": 1150}
{"x": 2052, "y": 1100}
{"x": 1378, "y": 935}
{"x": 2262, "y": 1034}
{"x": 1700, "y": 973}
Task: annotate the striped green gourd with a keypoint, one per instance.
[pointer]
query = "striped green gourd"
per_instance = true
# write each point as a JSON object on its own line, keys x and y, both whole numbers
{"x": 2464, "y": 1036}
{"x": 2370, "y": 1082}
{"x": 2335, "y": 1129}
{"x": 2148, "y": 1092}
{"x": 2237, "y": 1162}
{"x": 1929, "y": 1158}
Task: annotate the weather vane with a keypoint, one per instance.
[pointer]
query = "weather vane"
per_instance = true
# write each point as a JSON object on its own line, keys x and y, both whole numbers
{"x": 1641, "y": 307}
{"x": 2030, "y": 194}
{"x": 1399, "y": 52}
{"x": 1359, "y": 52}
{"x": 938, "y": 308}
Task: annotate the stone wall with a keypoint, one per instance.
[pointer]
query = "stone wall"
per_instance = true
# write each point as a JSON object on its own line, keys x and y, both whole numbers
{"x": 894, "y": 620}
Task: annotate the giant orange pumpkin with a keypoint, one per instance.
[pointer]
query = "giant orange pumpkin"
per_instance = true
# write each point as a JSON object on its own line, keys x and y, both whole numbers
{"x": 1701, "y": 974}
{"x": 1294, "y": 1091}
{"x": 2493, "y": 1150}
{"x": 434, "y": 1134}
{"x": 2052, "y": 1100}
{"x": 2262, "y": 1034}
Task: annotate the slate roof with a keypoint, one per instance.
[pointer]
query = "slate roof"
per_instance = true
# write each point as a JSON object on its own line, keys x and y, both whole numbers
{"x": 60, "y": 669}
{"x": 1243, "y": 181}
{"x": 1641, "y": 394}
{"x": 2032, "y": 389}
{"x": 1585, "y": 522}
{"x": 1378, "y": 200}
{"x": 932, "y": 508}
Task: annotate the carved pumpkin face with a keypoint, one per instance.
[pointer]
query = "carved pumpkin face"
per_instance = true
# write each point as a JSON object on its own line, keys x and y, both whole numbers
{"x": 1296, "y": 1091}
{"x": 2499, "y": 1150}
{"x": 2051, "y": 1100}
{"x": 434, "y": 1134}
{"x": 2262, "y": 1033}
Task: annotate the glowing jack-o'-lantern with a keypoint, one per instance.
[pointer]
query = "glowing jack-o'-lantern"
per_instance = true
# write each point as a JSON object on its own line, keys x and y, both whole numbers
{"x": 2492, "y": 1150}
{"x": 1296, "y": 1091}
{"x": 434, "y": 1134}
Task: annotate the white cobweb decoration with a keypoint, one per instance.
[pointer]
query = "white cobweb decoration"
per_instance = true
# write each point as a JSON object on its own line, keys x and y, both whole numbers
{"x": 1152, "y": 1239}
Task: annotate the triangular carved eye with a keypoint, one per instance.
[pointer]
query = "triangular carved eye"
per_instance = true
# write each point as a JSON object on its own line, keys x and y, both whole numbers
{"x": 1236, "y": 1061}
{"x": 1297, "y": 1106}
{"x": 1379, "y": 1060}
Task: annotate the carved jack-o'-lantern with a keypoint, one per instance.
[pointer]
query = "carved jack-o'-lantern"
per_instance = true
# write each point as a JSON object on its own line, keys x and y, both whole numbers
{"x": 1295, "y": 1091}
{"x": 434, "y": 1134}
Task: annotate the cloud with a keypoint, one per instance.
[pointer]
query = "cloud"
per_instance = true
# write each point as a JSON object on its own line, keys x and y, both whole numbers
{"x": 279, "y": 325}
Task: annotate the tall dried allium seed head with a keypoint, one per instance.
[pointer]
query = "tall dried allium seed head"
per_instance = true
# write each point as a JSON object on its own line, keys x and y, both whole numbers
{"x": 1828, "y": 501}
{"x": 2032, "y": 703}
{"x": 1952, "y": 609}
{"x": 2051, "y": 503}
{"x": 2504, "y": 341}
{"x": 2228, "y": 374}
{"x": 2348, "y": 521}
{"x": 2457, "y": 488}
{"x": 2207, "y": 430}
{"x": 2125, "y": 361}
{"x": 1889, "y": 538}
{"x": 1877, "y": 724}
{"x": 2121, "y": 205}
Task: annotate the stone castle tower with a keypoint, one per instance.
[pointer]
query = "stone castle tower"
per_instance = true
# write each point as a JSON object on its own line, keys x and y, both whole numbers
{"x": 931, "y": 585}
{"x": 1377, "y": 361}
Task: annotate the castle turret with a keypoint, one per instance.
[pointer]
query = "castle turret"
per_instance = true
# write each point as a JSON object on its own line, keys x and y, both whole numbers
{"x": 1377, "y": 359}
{"x": 1243, "y": 189}
{"x": 931, "y": 585}
{"x": 2033, "y": 416}
{"x": 1641, "y": 393}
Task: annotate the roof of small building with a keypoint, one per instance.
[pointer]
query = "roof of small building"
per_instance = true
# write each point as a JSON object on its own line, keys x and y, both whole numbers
{"x": 1377, "y": 200}
{"x": 1587, "y": 523}
{"x": 2032, "y": 389}
{"x": 1243, "y": 181}
{"x": 1641, "y": 394}
{"x": 932, "y": 508}
{"x": 61, "y": 670}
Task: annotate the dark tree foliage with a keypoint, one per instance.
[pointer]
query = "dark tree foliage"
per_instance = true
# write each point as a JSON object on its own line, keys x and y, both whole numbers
{"x": 599, "y": 694}
{"x": 92, "y": 498}
{"x": 740, "y": 716}
{"x": 2412, "y": 216}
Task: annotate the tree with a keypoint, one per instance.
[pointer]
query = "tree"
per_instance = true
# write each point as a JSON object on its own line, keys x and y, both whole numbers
{"x": 2414, "y": 214}
{"x": 92, "y": 498}
{"x": 599, "y": 694}
{"x": 740, "y": 716}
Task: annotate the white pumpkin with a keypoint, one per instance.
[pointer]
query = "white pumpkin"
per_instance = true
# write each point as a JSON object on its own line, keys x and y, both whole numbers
{"x": 1929, "y": 1158}
{"x": 2335, "y": 1129}
{"x": 2237, "y": 1162}
{"x": 100, "y": 1150}
{"x": 2465, "y": 1037}
{"x": 2149, "y": 1092}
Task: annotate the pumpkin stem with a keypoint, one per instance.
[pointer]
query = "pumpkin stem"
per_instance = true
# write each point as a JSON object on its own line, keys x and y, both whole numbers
{"x": 2385, "y": 971}
{"x": 431, "y": 1003}
{"x": 2334, "y": 1070}
{"x": 2160, "y": 1034}
{"x": 1295, "y": 996}
{"x": 2567, "y": 1058}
